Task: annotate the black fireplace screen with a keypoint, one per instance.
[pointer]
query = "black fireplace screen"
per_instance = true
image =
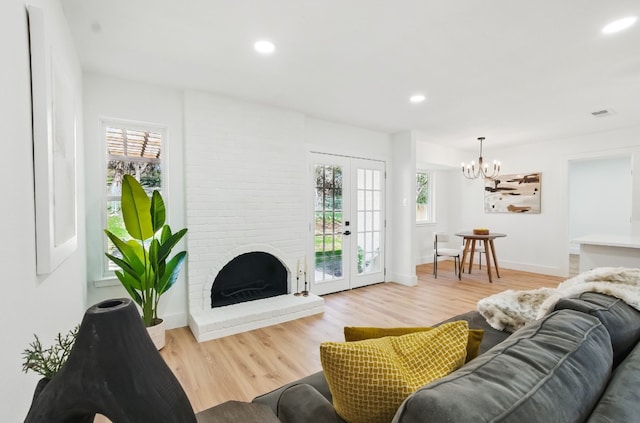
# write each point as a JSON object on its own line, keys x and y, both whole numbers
{"x": 248, "y": 277}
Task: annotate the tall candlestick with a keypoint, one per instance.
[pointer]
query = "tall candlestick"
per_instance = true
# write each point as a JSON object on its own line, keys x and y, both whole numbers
{"x": 305, "y": 292}
{"x": 297, "y": 278}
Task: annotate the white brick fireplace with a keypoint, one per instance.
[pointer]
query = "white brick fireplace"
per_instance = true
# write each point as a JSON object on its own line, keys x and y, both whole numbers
{"x": 246, "y": 190}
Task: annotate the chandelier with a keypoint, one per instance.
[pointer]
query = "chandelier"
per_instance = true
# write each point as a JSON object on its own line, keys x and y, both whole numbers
{"x": 471, "y": 172}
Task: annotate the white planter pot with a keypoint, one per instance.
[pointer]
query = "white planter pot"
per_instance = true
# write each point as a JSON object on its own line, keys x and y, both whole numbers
{"x": 157, "y": 334}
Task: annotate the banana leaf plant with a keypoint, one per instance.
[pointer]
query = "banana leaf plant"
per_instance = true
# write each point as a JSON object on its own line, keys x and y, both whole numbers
{"x": 145, "y": 272}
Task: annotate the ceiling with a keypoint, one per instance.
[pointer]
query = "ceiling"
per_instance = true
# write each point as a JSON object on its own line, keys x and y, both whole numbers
{"x": 513, "y": 71}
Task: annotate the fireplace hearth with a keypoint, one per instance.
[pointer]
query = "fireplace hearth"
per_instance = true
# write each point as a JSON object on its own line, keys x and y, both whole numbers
{"x": 249, "y": 287}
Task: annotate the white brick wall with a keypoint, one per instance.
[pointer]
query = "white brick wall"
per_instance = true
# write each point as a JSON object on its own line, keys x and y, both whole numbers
{"x": 246, "y": 186}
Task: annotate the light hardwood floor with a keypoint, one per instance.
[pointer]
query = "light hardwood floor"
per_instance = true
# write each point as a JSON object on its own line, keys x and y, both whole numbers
{"x": 243, "y": 366}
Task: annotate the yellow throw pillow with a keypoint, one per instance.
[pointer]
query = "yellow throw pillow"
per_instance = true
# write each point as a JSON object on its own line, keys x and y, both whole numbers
{"x": 360, "y": 333}
{"x": 369, "y": 379}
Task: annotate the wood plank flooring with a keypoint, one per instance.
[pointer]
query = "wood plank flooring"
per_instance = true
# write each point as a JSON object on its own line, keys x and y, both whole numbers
{"x": 243, "y": 366}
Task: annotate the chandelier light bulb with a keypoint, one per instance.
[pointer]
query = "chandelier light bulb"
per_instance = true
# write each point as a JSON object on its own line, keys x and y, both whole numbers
{"x": 470, "y": 172}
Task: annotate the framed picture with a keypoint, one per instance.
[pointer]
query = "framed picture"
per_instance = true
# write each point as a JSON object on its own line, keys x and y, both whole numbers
{"x": 519, "y": 193}
{"x": 54, "y": 150}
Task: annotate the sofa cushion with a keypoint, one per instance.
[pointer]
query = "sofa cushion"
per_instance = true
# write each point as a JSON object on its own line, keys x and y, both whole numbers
{"x": 621, "y": 320}
{"x": 370, "y": 379}
{"x": 621, "y": 400}
{"x": 360, "y": 333}
{"x": 552, "y": 370}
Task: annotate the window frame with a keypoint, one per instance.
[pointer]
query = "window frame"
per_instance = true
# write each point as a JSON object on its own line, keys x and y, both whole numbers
{"x": 431, "y": 217}
{"x": 106, "y": 273}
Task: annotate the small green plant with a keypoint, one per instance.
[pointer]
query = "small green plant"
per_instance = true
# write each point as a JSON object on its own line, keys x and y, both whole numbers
{"x": 48, "y": 361}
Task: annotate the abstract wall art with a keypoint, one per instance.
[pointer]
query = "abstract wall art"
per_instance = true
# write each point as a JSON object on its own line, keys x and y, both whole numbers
{"x": 517, "y": 193}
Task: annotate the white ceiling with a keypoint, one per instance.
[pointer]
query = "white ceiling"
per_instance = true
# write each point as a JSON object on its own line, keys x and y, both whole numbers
{"x": 514, "y": 71}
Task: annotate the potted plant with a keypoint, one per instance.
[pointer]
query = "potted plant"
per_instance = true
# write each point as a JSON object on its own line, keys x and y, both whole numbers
{"x": 47, "y": 362}
{"x": 146, "y": 270}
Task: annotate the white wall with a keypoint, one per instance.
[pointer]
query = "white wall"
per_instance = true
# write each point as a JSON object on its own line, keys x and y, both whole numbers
{"x": 402, "y": 254}
{"x": 334, "y": 138}
{"x": 599, "y": 196}
{"x": 46, "y": 304}
{"x": 245, "y": 186}
{"x": 248, "y": 179}
{"x": 113, "y": 98}
{"x": 538, "y": 242}
{"x": 443, "y": 199}
{"x": 443, "y": 162}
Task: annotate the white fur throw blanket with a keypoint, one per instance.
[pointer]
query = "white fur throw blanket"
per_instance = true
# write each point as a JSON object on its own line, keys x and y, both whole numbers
{"x": 510, "y": 310}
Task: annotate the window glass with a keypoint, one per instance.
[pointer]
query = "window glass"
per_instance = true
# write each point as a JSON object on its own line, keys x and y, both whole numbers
{"x": 424, "y": 197}
{"x": 134, "y": 152}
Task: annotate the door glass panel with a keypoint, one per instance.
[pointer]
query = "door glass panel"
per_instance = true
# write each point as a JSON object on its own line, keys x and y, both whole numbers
{"x": 376, "y": 222}
{"x": 328, "y": 223}
{"x": 360, "y": 222}
{"x": 369, "y": 225}
{"x": 337, "y": 222}
{"x": 318, "y": 228}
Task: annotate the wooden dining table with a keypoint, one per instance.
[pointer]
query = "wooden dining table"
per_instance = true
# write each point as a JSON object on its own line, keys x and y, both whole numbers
{"x": 470, "y": 239}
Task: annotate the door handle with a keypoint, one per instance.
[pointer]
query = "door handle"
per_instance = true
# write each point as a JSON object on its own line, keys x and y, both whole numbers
{"x": 346, "y": 233}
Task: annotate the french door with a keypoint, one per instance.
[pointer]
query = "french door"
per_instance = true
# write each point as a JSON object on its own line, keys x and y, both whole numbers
{"x": 348, "y": 223}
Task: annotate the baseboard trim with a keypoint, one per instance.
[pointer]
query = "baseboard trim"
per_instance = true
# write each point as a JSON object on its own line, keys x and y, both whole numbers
{"x": 175, "y": 320}
{"x": 533, "y": 268}
{"x": 408, "y": 280}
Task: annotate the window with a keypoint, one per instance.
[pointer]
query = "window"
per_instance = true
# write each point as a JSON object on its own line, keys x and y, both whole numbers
{"x": 424, "y": 197}
{"x": 132, "y": 151}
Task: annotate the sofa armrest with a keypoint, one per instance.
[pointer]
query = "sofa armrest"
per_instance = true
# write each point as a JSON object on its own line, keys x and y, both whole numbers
{"x": 237, "y": 411}
{"x": 302, "y": 404}
{"x": 315, "y": 380}
{"x": 491, "y": 337}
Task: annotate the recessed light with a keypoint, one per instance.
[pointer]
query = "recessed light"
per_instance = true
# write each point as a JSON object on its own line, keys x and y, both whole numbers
{"x": 264, "y": 47}
{"x": 417, "y": 98}
{"x": 619, "y": 25}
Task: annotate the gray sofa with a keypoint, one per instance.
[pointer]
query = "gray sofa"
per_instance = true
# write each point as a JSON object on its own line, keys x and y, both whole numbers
{"x": 580, "y": 363}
